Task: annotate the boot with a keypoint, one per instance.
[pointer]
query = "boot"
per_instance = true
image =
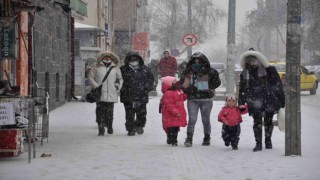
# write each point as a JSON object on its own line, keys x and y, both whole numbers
{"x": 206, "y": 140}
{"x": 174, "y": 136}
{"x": 131, "y": 132}
{"x": 101, "y": 129}
{"x": 234, "y": 146}
{"x": 140, "y": 130}
{"x": 188, "y": 142}
{"x": 110, "y": 130}
{"x": 268, "y": 143}
{"x": 257, "y": 129}
{"x": 258, "y": 147}
{"x": 268, "y": 134}
{"x": 169, "y": 141}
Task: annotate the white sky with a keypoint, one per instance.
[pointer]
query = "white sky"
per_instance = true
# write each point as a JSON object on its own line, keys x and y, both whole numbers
{"x": 220, "y": 40}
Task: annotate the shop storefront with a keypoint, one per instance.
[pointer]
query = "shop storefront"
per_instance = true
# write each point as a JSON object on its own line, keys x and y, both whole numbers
{"x": 35, "y": 69}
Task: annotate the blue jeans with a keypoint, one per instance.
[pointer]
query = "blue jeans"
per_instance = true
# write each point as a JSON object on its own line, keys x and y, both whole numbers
{"x": 205, "y": 110}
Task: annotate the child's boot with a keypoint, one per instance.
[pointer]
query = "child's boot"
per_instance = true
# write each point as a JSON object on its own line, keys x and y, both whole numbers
{"x": 175, "y": 137}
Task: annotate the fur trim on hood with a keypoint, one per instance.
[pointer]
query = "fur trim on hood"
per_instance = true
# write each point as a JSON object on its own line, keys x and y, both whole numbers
{"x": 115, "y": 58}
{"x": 263, "y": 60}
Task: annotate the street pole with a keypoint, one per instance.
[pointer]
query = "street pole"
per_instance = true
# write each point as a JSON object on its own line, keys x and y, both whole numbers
{"x": 231, "y": 47}
{"x": 189, "y": 26}
{"x": 293, "y": 109}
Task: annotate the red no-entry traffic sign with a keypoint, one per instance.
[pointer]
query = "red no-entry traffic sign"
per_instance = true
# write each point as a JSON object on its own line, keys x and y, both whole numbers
{"x": 189, "y": 39}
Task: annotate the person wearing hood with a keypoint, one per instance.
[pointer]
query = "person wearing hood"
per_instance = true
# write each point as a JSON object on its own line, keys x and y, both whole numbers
{"x": 168, "y": 65}
{"x": 199, "y": 82}
{"x": 181, "y": 68}
{"x": 154, "y": 68}
{"x": 261, "y": 89}
{"x": 138, "y": 82}
{"x": 110, "y": 89}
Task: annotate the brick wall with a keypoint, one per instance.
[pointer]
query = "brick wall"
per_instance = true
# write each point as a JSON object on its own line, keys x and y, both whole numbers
{"x": 52, "y": 50}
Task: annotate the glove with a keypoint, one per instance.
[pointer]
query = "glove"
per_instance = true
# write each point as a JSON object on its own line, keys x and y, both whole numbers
{"x": 242, "y": 108}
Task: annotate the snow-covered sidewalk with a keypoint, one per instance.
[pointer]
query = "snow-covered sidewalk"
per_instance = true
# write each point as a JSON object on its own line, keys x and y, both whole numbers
{"x": 78, "y": 153}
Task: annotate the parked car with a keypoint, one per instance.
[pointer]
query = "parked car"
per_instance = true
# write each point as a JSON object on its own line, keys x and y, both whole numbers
{"x": 308, "y": 80}
{"x": 220, "y": 67}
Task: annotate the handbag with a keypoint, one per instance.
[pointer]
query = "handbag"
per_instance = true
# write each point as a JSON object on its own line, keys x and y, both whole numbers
{"x": 95, "y": 94}
{"x": 281, "y": 119}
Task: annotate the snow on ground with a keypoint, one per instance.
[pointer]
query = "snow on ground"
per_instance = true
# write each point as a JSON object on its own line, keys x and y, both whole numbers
{"x": 78, "y": 153}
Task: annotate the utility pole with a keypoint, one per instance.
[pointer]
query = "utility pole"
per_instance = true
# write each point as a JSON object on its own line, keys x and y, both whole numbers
{"x": 293, "y": 109}
{"x": 189, "y": 26}
{"x": 174, "y": 25}
{"x": 231, "y": 47}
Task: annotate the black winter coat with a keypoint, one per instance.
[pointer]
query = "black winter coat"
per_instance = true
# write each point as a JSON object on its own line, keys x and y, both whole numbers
{"x": 136, "y": 83}
{"x": 262, "y": 95}
{"x": 213, "y": 78}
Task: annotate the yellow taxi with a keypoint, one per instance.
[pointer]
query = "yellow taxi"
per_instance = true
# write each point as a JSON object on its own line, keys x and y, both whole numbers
{"x": 308, "y": 80}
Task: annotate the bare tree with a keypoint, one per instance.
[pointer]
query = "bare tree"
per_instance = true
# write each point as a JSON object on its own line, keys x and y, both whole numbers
{"x": 169, "y": 20}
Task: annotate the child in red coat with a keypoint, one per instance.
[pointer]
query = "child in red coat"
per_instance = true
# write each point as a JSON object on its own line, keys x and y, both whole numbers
{"x": 172, "y": 108}
{"x": 230, "y": 117}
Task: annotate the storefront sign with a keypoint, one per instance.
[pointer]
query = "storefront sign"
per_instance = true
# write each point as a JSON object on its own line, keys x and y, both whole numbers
{"x": 7, "y": 113}
{"x": 140, "y": 44}
{"x": 7, "y": 38}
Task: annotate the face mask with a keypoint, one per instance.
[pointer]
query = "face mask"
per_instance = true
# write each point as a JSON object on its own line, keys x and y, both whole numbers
{"x": 134, "y": 63}
{"x": 196, "y": 67}
{"x": 106, "y": 61}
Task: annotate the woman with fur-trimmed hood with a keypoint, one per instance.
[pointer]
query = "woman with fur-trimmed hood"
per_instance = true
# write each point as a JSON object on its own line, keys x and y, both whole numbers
{"x": 261, "y": 89}
{"x": 110, "y": 88}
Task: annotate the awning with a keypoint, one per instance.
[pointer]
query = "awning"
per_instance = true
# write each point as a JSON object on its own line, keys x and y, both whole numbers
{"x": 79, "y": 6}
{"x": 78, "y": 25}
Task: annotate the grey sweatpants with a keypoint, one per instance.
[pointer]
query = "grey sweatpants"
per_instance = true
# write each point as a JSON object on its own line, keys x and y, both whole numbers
{"x": 205, "y": 107}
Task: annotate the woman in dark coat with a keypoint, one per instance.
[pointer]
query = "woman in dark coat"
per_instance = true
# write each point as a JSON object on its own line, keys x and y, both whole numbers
{"x": 137, "y": 83}
{"x": 261, "y": 89}
{"x": 199, "y": 82}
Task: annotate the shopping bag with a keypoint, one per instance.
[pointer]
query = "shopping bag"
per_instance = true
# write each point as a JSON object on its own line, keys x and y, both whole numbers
{"x": 94, "y": 95}
{"x": 281, "y": 119}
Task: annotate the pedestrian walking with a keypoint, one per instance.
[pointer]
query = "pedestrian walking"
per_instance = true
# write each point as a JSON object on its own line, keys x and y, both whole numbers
{"x": 199, "y": 82}
{"x": 106, "y": 63}
{"x": 138, "y": 82}
{"x": 168, "y": 65}
{"x": 154, "y": 68}
{"x": 230, "y": 117}
{"x": 261, "y": 89}
{"x": 181, "y": 68}
{"x": 173, "y": 112}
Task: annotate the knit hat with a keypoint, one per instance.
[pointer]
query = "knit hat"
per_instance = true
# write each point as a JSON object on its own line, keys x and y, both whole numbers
{"x": 232, "y": 97}
{"x": 166, "y": 83}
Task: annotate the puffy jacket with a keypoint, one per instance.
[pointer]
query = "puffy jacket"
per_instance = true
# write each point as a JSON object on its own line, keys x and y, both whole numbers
{"x": 261, "y": 94}
{"x": 231, "y": 116}
{"x": 168, "y": 66}
{"x": 172, "y": 107}
{"x": 109, "y": 91}
{"x": 136, "y": 83}
{"x": 207, "y": 77}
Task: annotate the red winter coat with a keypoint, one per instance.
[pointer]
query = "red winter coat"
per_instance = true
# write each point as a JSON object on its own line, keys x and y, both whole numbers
{"x": 168, "y": 66}
{"x": 172, "y": 108}
{"x": 231, "y": 116}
